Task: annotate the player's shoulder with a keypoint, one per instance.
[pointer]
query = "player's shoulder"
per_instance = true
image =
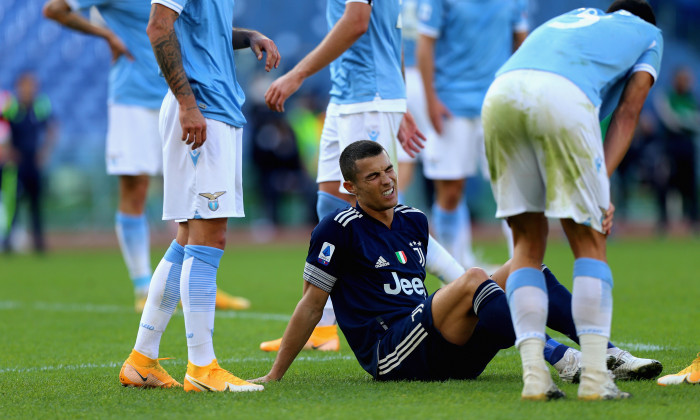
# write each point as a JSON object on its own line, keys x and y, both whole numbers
{"x": 340, "y": 218}
{"x": 410, "y": 212}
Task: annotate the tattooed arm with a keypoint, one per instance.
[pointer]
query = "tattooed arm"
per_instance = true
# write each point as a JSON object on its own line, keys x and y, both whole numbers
{"x": 166, "y": 47}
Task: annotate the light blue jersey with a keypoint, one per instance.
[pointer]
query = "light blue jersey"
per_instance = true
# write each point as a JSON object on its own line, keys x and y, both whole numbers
{"x": 130, "y": 82}
{"x": 369, "y": 72}
{"x": 595, "y": 50}
{"x": 409, "y": 24}
{"x": 473, "y": 39}
{"x": 204, "y": 30}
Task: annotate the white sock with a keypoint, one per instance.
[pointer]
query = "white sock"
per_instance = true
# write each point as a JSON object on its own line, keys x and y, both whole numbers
{"x": 532, "y": 352}
{"x": 328, "y": 317}
{"x": 593, "y": 352}
{"x": 591, "y": 306}
{"x": 163, "y": 296}
{"x": 198, "y": 291}
{"x": 528, "y": 308}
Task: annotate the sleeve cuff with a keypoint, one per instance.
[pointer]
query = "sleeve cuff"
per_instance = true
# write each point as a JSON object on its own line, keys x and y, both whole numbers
{"x": 319, "y": 278}
{"x": 647, "y": 68}
{"x": 73, "y": 4}
{"x": 169, "y": 4}
{"x": 424, "y": 29}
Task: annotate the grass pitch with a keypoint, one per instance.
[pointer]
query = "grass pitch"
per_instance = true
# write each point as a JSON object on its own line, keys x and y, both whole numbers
{"x": 67, "y": 324}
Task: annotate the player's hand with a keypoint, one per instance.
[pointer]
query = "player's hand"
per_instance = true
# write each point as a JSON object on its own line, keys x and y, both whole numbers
{"x": 118, "y": 48}
{"x": 281, "y": 89}
{"x": 194, "y": 126}
{"x": 438, "y": 112}
{"x": 263, "y": 379}
{"x": 259, "y": 43}
{"x": 608, "y": 219}
{"x": 410, "y": 137}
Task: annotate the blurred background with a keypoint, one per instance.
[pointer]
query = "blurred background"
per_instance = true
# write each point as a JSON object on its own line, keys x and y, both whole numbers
{"x": 655, "y": 190}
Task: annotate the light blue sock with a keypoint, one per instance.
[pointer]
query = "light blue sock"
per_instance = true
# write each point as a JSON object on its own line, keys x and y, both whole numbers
{"x": 134, "y": 241}
{"x": 465, "y": 230}
{"x": 171, "y": 295}
{"x": 163, "y": 296}
{"x": 327, "y": 203}
{"x": 198, "y": 291}
{"x": 449, "y": 231}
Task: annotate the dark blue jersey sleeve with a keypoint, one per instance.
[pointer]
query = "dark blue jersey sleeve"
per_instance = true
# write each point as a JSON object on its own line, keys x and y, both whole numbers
{"x": 327, "y": 250}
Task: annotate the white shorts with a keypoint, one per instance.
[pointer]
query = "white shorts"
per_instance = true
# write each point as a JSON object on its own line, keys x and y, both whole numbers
{"x": 415, "y": 102}
{"x": 544, "y": 146}
{"x": 341, "y": 130}
{"x": 133, "y": 141}
{"x": 458, "y": 152}
{"x": 205, "y": 183}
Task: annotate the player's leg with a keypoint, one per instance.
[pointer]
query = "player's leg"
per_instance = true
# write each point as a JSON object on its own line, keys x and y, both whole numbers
{"x": 450, "y": 220}
{"x": 519, "y": 189}
{"x": 133, "y": 153}
{"x": 215, "y": 177}
{"x": 133, "y": 234}
{"x": 325, "y": 335}
{"x": 528, "y": 300}
{"x": 142, "y": 368}
{"x": 592, "y": 309}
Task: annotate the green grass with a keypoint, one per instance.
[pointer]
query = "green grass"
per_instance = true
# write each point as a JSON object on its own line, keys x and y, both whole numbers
{"x": 67, "y": 324}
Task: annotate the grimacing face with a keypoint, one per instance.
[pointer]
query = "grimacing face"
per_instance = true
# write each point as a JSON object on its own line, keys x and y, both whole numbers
{"x": 375, "y": 184}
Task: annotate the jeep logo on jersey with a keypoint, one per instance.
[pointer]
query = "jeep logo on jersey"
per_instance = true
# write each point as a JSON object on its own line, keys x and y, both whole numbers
{"x": 409, "y": 287}
{"x": 324, "y": 257}
{"x": 213, "y": 199}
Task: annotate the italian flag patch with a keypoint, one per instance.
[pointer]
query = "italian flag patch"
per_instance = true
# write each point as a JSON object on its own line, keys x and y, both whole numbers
{"x": 401, "y": 257}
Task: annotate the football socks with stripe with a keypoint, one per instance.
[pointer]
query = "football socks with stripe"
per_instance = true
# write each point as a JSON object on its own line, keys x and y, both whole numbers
{"x": 198, "y": 292}
{"x": 163, "y": 296}
{"x": 133, "y": 237}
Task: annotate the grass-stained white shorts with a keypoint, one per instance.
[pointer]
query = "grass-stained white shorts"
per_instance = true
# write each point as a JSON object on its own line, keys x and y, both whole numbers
{"x": 544, "y": 148}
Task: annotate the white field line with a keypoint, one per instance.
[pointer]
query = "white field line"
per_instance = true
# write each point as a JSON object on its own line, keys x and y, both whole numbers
{"x": 115, "y": 365}
{"x": 91, "y": 308}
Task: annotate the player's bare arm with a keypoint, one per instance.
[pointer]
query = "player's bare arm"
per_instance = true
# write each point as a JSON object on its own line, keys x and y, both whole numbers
{"x": 61, "y": 12}
{"x": 425, "y": 57}
{"x": 625, "y": 118}
{"x": 166, "y": 47}
{"x": 351, "y": 26}
{"x": 305, "y": 317}
{"x": 259, "y": 43}
{"x": 518, "y": 39}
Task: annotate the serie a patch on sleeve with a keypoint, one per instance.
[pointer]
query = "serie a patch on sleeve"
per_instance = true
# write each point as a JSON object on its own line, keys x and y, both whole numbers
{"x": 324, "y": 257}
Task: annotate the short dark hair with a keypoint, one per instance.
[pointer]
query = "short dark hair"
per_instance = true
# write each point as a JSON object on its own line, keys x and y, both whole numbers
{"x": 639, "y": 8}
{"x": 355, "y": 151}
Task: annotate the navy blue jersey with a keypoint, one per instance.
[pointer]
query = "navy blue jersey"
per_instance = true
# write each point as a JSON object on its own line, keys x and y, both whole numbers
{"x": 373, "y": 273}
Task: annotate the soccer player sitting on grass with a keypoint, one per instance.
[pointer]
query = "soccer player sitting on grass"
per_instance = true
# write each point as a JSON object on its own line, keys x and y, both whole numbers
{"x": 371, "y": 260}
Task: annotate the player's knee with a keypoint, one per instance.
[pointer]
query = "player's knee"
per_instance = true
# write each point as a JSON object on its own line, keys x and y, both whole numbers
{"x": 470, "y": 281}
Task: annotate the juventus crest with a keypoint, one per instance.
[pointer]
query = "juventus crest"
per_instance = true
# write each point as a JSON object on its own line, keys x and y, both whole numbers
{"x": 416, "y": 246}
